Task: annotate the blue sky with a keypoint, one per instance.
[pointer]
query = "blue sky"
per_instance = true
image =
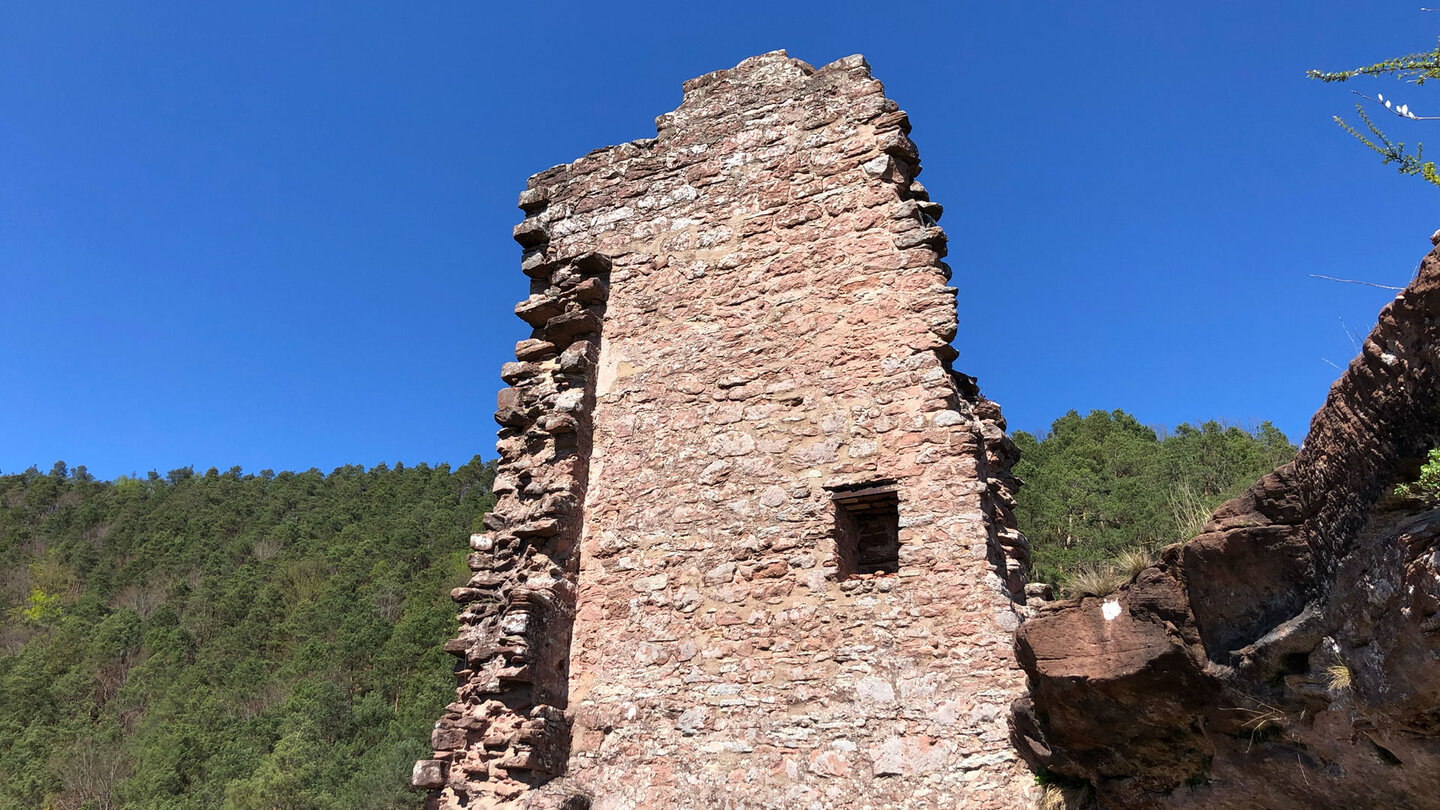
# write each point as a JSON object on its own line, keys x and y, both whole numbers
{"x": 277, "y": 234}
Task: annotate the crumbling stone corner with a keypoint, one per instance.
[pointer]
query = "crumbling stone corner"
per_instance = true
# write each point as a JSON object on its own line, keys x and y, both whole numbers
{"x": 507, "y": 730}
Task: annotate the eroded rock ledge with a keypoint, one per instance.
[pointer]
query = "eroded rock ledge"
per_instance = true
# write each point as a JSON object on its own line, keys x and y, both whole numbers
{"x": 1219, "y": 681}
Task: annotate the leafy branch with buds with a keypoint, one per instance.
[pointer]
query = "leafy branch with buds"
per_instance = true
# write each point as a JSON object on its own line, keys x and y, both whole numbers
{"x": 1415, "y": 68}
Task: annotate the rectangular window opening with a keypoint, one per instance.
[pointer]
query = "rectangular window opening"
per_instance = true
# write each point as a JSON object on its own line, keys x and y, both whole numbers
{"x": 867, "y": 529}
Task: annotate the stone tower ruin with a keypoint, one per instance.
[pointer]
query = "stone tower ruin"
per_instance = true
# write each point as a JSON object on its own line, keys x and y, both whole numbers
{"x": 754, "y": 544}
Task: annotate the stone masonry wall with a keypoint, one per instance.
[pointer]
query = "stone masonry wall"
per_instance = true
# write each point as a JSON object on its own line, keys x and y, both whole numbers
{"x": 737, "y": 322}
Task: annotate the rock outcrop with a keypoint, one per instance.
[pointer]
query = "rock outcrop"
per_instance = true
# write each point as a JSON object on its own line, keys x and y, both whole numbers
{"x": 1289, "y": 656}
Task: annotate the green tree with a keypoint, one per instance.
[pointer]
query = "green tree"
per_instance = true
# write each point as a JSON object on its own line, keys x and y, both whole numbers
{"x": 194, "y": 641}
{"x": 1100, "y": 485}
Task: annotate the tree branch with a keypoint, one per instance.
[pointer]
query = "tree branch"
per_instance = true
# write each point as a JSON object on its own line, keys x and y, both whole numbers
{"x": 1353, "y": 281}
{"x": 1409, "y": 116}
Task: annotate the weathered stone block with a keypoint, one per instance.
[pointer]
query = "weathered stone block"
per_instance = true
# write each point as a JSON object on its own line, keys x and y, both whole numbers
{"x": 537, "y": 309}
{"x": 562, "y": 330}
{"x": 533, "y": 349}
{"x": 428, "y": 774}
{"x": 530, "y": 233}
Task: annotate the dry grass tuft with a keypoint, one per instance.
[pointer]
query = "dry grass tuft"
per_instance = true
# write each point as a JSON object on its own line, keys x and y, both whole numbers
{"x": 1189, "y": 511}
{"x": 1132, "y": 561}
{"x": 1096, "y": 580}
{"x": 1265, "y": 722}
{"x": 1337, "y": 677}
{"x": 1058, "y": 797}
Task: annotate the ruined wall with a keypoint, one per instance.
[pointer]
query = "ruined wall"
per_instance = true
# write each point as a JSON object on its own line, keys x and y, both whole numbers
{"x": 737, "y": 323}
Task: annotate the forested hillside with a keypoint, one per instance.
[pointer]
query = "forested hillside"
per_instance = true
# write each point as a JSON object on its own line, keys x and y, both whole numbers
{"x": 224, "y": 640}
{"x": 1104, "y": 492}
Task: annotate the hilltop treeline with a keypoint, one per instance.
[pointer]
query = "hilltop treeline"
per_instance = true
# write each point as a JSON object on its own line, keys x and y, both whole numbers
{"x": 219, "y": 640}
{"x": 1100, "y": 485}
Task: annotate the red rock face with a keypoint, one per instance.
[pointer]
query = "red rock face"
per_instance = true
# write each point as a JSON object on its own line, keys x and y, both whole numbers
{"x": 754, "y": 544}
{"x": 1207, "y": 682}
